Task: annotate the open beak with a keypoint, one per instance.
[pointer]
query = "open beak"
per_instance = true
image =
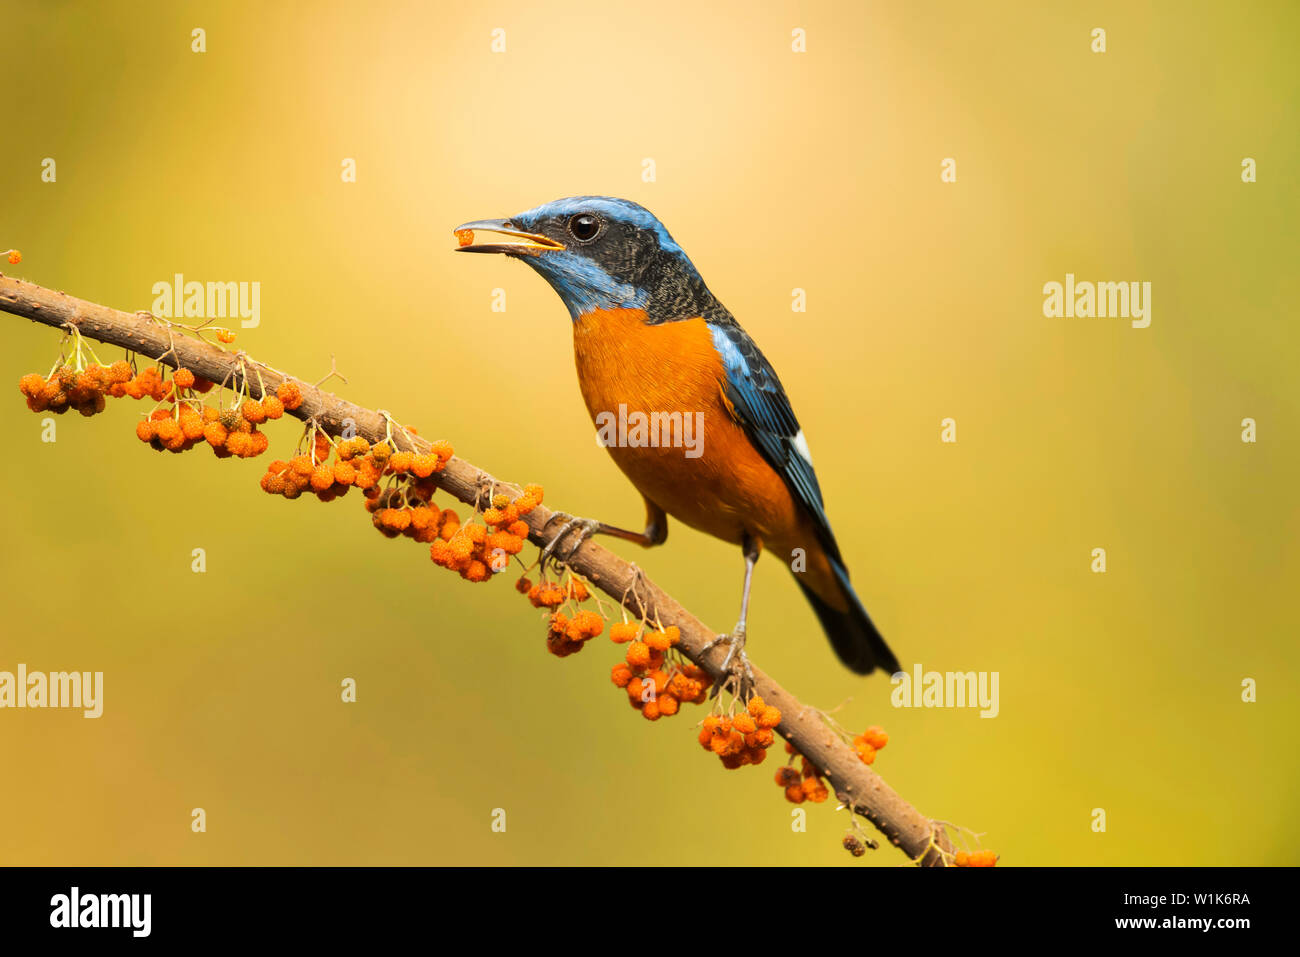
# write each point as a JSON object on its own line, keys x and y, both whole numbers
{"x": 526, "y": 244}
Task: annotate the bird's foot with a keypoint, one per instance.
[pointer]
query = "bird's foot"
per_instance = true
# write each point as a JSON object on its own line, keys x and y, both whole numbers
{"x": 735, "y": 666}
{"x": 586, "y": 528}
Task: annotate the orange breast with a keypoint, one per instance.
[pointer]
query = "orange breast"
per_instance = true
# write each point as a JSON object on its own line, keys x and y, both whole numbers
{"x": 723, "y": 485}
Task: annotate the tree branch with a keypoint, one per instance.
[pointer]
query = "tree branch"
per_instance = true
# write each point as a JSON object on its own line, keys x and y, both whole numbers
{"x": 855, "y": 784}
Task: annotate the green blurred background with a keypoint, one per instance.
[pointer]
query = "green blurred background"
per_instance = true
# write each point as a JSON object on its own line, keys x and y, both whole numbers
{"x": 775, "y": 170}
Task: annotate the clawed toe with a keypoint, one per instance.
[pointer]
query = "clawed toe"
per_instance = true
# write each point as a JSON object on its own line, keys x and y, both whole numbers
{"x": 735, "y": 666}
{"x": 586, "y": 528}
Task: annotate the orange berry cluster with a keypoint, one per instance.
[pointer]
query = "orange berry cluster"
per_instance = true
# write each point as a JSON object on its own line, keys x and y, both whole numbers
{"x": 15, "y": 257}
{"x": 178, "y": 427}
{"x": 404, "y": 511}
{"x": 312, "y": 470}
{"x": 869, "y": 742}
{"x": 87, "y": 389}
{"x": 644, "y": 651}
{"x": 655, "y": 687}
{"x": 802, "y": 785}
{"x": 549, "y": 594}
{"x": 398, "y": 486}
{"x": 229, "y": 432}
{"x": 659, "y": 692}
{"x": 183, "y": 425}
{"x": 152, "y": 384}
{"x": 234, "y": 431}
{"x": 566, "y": 636}
{"x": 975, "y": 859}
{"x": 357, "y": 464}
{"x": 476, "y": 551}
{"x": 743, "y": 739}
{"x": 67, "y": 388}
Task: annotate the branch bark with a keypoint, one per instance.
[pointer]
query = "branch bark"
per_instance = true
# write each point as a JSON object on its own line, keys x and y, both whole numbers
{"x": 855, "y": 784}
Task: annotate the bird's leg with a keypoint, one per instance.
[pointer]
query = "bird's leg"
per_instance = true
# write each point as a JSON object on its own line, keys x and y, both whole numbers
{"x": 656, "y": 530}
{"x": 735, "y": 641}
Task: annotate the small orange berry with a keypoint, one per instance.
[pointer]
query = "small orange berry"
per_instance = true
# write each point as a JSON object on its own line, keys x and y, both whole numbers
{"x": 192, "y": 426}
{"x": 638, "y": 654}
{"x": 289, "y": 394}
{"x": 216, "y": 434}
{"x": 658, "y": 640}
{"x": 622, "y": 632}
{"x": 31, "y": 384}
{"x": 635, "y": 687}
{"x": 876, "y": 737}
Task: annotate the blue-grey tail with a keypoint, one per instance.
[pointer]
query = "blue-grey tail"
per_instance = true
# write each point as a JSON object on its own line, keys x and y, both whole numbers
{"x": 853, "y": 635}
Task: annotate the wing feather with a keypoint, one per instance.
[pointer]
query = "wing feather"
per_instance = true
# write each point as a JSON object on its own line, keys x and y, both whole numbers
{"x": 759, "y": 403}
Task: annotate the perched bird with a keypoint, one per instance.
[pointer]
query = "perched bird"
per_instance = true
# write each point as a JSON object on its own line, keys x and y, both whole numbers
{"x": 649, "y": 337}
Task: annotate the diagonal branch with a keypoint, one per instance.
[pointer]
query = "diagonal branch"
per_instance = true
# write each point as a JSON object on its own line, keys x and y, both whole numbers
{"x": 855, "y": 784}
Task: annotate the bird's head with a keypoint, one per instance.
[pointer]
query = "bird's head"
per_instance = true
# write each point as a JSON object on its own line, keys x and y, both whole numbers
{"x": 600, "y": 253}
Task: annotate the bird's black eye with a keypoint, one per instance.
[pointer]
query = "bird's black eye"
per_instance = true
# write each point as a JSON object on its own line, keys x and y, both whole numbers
{"x": 584, "y": 227}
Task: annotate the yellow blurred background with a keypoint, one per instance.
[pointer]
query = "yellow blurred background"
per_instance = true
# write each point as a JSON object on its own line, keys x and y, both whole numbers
{"x": 774, "y": 170}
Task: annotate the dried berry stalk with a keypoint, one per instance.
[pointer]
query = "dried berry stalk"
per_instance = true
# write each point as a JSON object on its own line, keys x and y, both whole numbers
{"x": 856, "y": 785}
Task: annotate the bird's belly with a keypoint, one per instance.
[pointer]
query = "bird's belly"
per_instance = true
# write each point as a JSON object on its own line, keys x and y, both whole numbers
{"x": 654, "y": 395}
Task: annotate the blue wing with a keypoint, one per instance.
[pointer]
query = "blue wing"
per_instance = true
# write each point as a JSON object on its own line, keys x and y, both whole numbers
{"x": 761, "y": 407}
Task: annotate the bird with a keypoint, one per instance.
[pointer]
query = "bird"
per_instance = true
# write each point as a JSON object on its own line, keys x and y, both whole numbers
{"x": 649, "y": 337}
